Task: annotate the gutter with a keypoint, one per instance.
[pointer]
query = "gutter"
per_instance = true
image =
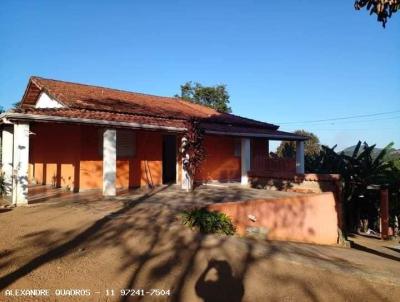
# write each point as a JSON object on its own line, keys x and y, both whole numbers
{"x": 5, "y": 118}
{"x": 270, "y": 136}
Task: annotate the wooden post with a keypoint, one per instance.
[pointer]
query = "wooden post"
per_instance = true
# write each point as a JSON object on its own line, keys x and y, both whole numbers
{"x": 384, "y": 213}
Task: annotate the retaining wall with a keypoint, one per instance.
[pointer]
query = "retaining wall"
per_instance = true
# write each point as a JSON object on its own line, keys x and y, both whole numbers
{"x": 310, "y": 218}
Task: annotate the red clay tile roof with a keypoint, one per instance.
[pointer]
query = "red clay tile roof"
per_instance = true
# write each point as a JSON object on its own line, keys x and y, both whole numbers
{"x": 81, "y": 96}
{"x": 105, "y": 104}
{"x": 103, "y": 116}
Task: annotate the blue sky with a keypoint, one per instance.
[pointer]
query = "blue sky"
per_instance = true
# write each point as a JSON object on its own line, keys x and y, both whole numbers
{"x": 311, "y": 60}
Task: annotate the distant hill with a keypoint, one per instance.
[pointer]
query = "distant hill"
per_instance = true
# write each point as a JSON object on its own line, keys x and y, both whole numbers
{"x": 394, "y": 153}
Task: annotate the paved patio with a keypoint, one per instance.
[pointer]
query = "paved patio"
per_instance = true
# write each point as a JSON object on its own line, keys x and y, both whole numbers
{"x": 137, "y": 241}
{"x": 205, "y": 194}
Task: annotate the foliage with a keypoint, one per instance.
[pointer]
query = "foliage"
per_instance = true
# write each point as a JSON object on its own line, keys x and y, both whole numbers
{"x": 360, "y": 167}
{"x": 215, "y": 97}
{"x": 327, "y": 161}
{"x": 359, "y": 171}
{"x": 2, "y": 185}
{"x": 193, "y": 151}
{"x": 396, "y": 163}
{"x": 17, "y": 104}
{"x": 382, "y": 8}
{"x": 311, "y": 146}
{"x": 208, "y": 222}
{"x": 392, "y": 155}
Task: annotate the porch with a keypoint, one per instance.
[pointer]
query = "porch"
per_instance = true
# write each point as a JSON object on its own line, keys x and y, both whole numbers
{"x": 206, "y": 194}
{"x": 76, "y": 157}
{"x": 38, "y": 194}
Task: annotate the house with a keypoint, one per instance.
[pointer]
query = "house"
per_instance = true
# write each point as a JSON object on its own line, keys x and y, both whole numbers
{"x": 84, "y": 137}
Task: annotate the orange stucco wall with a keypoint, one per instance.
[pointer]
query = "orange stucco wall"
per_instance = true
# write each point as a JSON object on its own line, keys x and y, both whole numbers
{"x": 70, "y": 156}
{"x": 54, "y": 154}
{"x": 304, "y": 218}
{"x": 149, "y": 158}
{"x": 220, "y": 162}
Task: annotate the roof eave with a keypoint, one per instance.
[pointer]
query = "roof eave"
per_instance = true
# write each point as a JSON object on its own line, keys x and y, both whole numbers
{"x": 280, "y": 137}
{"x": 14, "y": 116}
{"x": 32, "y": 81}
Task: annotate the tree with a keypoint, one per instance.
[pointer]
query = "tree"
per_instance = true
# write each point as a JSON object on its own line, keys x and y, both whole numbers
{"x": 311, "y": 146}
{"x": 215, "y": 97}
{"x": 359, "y": 171}
{"x": 382, "y": 8}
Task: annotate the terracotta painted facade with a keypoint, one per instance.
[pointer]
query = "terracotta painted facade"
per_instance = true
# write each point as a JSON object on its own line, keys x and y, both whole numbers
{"x": 75, "y": 136}
{"x": 308, "y": 218}
{"x": 220, "y": 163}
{"x": 70, "y": 156}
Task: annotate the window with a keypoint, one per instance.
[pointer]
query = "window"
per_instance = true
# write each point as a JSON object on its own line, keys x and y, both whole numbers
{"x": 126, "y": 143}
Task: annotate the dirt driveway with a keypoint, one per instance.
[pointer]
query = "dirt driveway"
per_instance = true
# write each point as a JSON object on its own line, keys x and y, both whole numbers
{"x": 85, "y": 243}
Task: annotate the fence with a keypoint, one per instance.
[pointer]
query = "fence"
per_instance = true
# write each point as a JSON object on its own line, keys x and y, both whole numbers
{"x": 264, "y": 163}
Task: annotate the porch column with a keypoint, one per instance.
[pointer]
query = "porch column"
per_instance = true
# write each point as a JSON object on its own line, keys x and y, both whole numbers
{"x": 7, "y": 157}
{"x": 109, "y": 161}
{"x": 186, "y": 179}
{"x": 20, "y": 164}
{"x": 300, "y": 157}
{"x": 187, "y": 182}
{"x": 245, "y": 160}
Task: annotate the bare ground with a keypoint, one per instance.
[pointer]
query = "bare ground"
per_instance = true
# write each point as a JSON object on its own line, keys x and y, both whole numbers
{"x": 137, "y": 242}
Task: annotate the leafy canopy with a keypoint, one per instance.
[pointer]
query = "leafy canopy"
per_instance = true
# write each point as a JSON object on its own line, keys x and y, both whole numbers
{"x": 382, "y": 8}
{"x": 359, "y": 170}
{"x": 311, "y": 146}
{"x": 215, "y": 97}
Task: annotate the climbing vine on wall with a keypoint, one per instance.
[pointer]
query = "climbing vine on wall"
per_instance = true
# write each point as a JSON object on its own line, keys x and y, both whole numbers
{"x": 193, "y": 151}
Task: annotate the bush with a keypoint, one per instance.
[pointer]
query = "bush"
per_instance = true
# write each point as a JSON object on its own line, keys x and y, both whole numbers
{"x": 208, "y": 222}
{"x": 2, "y": 185}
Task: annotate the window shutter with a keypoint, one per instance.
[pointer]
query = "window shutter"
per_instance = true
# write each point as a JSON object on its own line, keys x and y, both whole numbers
{"x": 126, "y": 143}
{"x": 126, "y": 146}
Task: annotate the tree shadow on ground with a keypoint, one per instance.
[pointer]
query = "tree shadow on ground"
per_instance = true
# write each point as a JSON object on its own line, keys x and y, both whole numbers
{"x": 393, "y": 249}
{"x": 156, "y": 250}
{"x": 372, "y": 251}
{"x": 63, "y": 249}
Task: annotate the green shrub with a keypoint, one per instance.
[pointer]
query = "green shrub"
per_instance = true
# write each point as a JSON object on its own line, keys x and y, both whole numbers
{"x": 2, "y": 185}
{"x": 208, "y": 222}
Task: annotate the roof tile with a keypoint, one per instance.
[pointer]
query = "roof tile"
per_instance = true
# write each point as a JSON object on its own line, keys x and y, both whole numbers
{"x": 105, "y": 104}
{"x": 82, "y": 96}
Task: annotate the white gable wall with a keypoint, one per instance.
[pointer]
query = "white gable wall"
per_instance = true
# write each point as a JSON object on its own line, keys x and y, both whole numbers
{"x": 45, "y": 101}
